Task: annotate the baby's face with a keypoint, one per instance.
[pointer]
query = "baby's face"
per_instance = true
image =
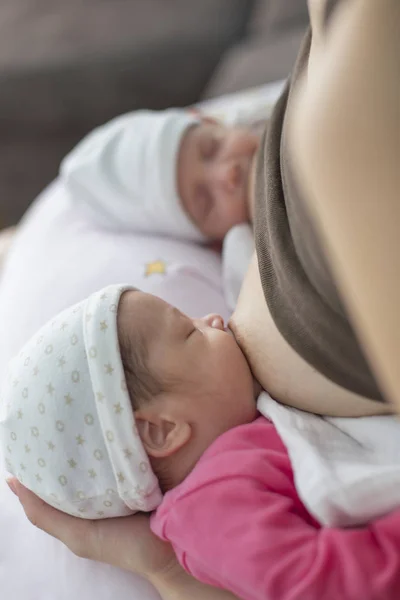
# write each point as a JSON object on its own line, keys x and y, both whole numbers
{"x": 214, "y": 165}
{"x": 205, "y": 370}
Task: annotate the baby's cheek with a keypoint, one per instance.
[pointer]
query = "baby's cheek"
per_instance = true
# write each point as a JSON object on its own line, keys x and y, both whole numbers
{"x": 243, "y": 143}
{"x": 234, "y": 210}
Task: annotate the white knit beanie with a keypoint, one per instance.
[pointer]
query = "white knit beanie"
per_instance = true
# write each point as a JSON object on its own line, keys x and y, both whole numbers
{"x": 125, "y": 173}
{"x": 67, "y": 427}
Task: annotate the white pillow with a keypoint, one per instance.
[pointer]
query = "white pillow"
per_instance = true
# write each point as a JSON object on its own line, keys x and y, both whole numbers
{"x": 56, "y": 260}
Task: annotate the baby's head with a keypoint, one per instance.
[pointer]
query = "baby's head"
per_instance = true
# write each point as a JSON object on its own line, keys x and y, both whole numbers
{"x": 116, "y": 399}
{"x": 169, "y": 171}
{"x": 213, "y": 170}
{"x": 188, "y": 381}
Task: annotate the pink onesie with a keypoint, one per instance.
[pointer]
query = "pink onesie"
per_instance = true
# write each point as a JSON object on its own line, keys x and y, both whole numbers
{"x": 237, "y": 523}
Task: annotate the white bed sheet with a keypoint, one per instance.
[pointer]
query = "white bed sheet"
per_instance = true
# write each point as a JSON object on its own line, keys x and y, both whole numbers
{"x": 56, "y": 260}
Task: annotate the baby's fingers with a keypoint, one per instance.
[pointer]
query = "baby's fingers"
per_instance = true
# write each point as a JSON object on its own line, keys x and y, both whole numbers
{"x": 77, "y": 534}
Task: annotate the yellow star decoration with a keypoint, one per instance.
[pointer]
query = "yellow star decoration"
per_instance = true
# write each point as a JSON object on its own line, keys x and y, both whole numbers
{"x": 103, "y": 325}
{"x": 68, "y": 399}
{"x": 20, "y": 414}
{"x": 118, "y": 408}
{"x": 157, "y": 267}
{"x": 80, "y": 440}
{"x": 121, "y": 477}
{"x": 109, "y": 369}
{"x": 50, "y": 446}
{"x": 72, "y": 463}
{"x": 127, "y": 453}
{"x": 92, "y": 473}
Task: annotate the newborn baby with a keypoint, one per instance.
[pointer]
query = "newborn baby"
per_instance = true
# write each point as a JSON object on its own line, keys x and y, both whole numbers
{"x": 94, "y": 403}
{"x": 170, "y": 172}
{"x": 123, "y": 403}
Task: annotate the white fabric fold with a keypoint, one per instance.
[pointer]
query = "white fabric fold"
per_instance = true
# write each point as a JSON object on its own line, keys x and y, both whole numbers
{"x": 346, "y": 470}
{"x": 237, "y": 251}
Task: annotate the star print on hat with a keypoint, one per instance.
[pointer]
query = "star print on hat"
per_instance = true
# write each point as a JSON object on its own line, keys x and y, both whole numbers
{"x": 67, "y": 427}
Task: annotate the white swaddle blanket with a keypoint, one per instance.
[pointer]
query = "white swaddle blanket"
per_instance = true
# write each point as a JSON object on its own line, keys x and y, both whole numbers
{"x": 346, "y": 471}
{"x": 237, "y": 250}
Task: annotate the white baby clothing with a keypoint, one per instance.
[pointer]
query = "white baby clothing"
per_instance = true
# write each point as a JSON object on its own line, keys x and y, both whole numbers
{"x": 237, "y": 251}
{"x": 346, "y": 470}
{"x": 67, "y": 427}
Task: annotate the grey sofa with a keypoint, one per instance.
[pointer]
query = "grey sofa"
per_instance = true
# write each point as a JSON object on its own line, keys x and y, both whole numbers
{"x": 67, "y": 66}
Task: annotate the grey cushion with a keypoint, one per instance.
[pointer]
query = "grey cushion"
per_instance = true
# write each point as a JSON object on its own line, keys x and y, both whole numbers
{"x": 256, "y": 63}
{"x": 63, "y": 60}
{"x": 275, "y": 15}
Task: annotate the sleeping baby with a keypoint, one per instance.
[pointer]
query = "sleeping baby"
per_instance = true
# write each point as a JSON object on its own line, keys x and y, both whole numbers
{"x": 171, "y": 172}
{"x": 122, "y": 403}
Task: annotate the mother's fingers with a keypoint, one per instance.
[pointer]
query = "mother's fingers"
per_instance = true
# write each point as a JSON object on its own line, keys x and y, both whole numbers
{"x": 127, "y": 542}
{"x": 78, "y": 534}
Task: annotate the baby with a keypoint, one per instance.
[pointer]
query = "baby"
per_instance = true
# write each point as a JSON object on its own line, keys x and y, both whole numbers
{"x": 171, "y": 172}
{"x": 123, "y": 403}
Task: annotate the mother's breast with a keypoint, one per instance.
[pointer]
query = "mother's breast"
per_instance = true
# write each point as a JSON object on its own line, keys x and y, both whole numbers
{"x": 279, "y": 369}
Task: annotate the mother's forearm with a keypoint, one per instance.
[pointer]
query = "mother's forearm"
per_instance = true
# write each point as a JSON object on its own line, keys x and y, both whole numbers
{"x": 188, "y": 588}
{"x": 346, "y": 140}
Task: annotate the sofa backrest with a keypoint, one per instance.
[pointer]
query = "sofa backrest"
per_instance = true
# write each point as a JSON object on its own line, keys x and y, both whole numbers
{"x": 274, "y": 15}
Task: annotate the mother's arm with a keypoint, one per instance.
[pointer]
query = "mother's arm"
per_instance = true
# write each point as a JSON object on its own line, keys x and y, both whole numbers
{"x": 346, "y": 136}
{"x": 185, "y": 586}
{"x": 127, "y": 543}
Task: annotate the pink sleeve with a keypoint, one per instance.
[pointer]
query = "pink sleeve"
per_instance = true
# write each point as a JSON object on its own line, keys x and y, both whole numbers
{"x": 236, "y": 534}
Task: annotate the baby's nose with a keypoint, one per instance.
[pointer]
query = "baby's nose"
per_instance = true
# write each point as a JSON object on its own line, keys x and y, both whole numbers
{"x": 213, "y": 320}
{"x": 232, "y": 176}
{"x": 227, "y": 176}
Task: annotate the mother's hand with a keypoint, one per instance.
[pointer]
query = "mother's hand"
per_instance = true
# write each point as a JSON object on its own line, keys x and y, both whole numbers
{"x": 126, "y": 542}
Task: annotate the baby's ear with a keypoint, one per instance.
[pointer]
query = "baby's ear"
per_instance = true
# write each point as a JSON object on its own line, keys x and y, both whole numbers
{"x": 161, "y": 436}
